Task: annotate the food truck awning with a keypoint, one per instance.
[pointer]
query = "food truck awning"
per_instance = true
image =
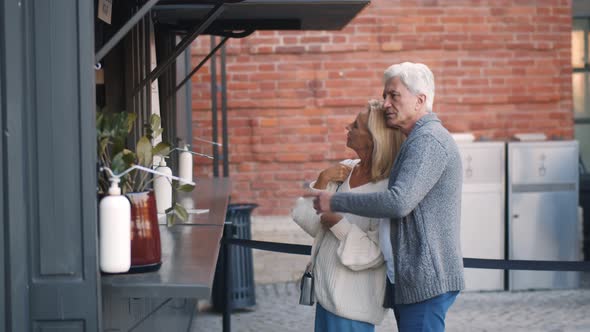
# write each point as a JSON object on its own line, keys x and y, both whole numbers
{"x": 237, "y": 18}
{"x": 261, "y": 14}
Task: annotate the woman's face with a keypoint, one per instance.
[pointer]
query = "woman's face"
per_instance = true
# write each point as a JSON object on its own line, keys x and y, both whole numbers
{"x": 359, "y": 138}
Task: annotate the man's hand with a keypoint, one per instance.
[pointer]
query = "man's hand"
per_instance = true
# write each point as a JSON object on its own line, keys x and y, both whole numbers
{"x": 330, "y": 219}
{"x": 321, "y": 201}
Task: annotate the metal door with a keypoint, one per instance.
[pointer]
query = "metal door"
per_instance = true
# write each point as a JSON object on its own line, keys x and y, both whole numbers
{"x": 543, "y": 210}
{"x": 542, "y": 226}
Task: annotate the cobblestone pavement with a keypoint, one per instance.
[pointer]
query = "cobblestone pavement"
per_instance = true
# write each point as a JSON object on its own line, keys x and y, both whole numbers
{"x": 555, "y": 310}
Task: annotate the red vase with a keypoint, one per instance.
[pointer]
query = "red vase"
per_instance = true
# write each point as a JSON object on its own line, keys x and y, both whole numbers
{"x": 146, "y": 249}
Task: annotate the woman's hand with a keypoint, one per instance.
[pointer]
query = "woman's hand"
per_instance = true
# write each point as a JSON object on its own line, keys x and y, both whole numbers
{"x": 336, "y": 173}
{"x": 330, "y": 219}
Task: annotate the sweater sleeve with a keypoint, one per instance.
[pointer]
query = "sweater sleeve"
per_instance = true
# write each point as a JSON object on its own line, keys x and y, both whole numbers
{"x": 305, "y": 216}
{"x": 358, "y": 250}
{"x": 420, "y": 169}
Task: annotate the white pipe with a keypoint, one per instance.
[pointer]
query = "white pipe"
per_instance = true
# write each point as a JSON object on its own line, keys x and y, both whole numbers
{"x": 192, "y": 152}
{"x": 145, "y": 169}
{"x": 206, "y": 141}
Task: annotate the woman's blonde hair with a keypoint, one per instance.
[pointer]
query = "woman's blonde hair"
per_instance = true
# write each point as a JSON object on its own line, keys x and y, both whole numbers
{"x": 386, "y": 141}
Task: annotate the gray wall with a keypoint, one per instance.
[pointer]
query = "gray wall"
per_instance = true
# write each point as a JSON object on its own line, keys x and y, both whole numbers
{"x": 49, "y": 166}
{"x": 13, "y": 173}
{"x": 2, "y": 196}
{"x": 581, "y": 8}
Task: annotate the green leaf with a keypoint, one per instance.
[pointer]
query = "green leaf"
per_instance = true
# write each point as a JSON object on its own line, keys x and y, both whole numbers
{"x": 116, "y": 126}
{"x": 186, "y": 187}
{"x": 157, "y": 132}
{"x": 181, "y": 212}
{"x": 102, "y": 144}
{"x": 122, "y": 161}
{"x": 154, "y": 129}
{"x": 130, "y": 121}
{"x": 170, "y": 217}
{"x": 175, "y": 213}
{"x": 120, "y": 125}
{"x": 162, "y": 149}
{"x": 99, "y": 124}
{"x": 144, "y": 152}
{"x": 182, "y": 186}
{"x": 128, "y": 157}
{"x": 118, "y": 145}
{"x": 155, "y": 122}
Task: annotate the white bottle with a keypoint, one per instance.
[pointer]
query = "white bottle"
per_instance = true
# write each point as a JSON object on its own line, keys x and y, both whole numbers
{"x": 163, "y": 188}
{"x": 185, "y": 164}
{"x": 115, "y": 231}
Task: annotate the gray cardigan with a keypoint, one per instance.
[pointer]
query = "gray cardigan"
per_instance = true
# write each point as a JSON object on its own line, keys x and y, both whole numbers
{"x": 424, "y": 204}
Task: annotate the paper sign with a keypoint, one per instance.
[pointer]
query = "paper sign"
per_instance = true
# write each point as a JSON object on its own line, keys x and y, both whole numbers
{"x": 105, "y": 8}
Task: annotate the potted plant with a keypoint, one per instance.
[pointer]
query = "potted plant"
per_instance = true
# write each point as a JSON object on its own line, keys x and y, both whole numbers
{"x": 113, "y": 130}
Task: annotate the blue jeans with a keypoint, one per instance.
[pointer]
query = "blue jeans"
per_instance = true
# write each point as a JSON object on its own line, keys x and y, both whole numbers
{"x": 326, "y": 321}
{"x": 424, "y": 316}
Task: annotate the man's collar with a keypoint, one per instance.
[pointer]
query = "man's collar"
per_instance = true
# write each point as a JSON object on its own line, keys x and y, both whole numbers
{"x": 426, "y": 118}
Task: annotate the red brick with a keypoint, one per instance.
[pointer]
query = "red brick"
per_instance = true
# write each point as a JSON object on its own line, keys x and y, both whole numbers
{"x": 292, "y": 157}
{"x": 291, "y": 93}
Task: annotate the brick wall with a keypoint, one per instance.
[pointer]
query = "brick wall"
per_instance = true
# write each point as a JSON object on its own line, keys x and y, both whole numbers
{"x": 501, "y": 67}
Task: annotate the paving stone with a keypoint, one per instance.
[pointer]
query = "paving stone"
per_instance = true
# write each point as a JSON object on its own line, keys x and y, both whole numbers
{"x": 277, "y": 296}
{"x": 554, "y": 310}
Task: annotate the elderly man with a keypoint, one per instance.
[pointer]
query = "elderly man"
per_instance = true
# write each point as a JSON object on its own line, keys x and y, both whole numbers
{"x": 423, "y": 202}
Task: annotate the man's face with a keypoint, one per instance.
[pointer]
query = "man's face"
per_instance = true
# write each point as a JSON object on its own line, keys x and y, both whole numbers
{"x": 402, "y": 108}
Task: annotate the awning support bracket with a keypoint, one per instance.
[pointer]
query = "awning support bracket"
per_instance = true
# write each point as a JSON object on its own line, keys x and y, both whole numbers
{"x": 116, "y": 38}
{"x": 184, "y": 43}
{"x": 188, "y": 77}
{"x": 209, "y": 55}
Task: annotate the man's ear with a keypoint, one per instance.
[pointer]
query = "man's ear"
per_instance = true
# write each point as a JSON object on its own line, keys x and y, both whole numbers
{"x": 420, "y": 101}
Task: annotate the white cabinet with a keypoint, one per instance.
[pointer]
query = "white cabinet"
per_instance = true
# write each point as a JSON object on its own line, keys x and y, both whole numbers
{"x": 542, "y": 211}
{"x": 483, "y": 211}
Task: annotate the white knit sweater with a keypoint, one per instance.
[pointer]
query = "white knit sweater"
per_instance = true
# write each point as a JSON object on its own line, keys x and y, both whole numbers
{"x": 349, "y": 268}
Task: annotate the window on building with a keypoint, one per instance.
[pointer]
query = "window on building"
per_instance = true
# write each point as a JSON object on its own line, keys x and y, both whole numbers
{"x": 581, "y": 85}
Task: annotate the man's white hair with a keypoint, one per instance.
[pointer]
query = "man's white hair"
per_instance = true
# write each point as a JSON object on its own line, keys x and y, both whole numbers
{"x": 417, "y": 77}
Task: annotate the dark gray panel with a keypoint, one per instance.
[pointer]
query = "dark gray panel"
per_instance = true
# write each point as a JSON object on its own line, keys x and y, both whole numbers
{"x": 543, "y": 187}
{"x": 580, "y": 8}
{"x": 30, "y": 99}
{"x": 15, "y": 217}
{"x": 71, "y": 326}
{"x": 64, "y": 292}
{"x": 148, "y": 314}
{"x": 57, "y": 80}
{"x": 21, "y": 85}
{"x": 3, "y": 157}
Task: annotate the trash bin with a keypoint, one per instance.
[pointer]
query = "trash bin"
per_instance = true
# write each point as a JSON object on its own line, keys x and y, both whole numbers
{"x": 242, "y": 269}
{"x": 585, "y": 204}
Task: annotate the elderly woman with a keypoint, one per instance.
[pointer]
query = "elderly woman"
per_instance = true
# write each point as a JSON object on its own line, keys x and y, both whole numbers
{"x": 349, "y": 251}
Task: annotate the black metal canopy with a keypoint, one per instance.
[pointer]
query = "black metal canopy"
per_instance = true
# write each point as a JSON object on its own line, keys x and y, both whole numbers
{"x": 260, "y": 14}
